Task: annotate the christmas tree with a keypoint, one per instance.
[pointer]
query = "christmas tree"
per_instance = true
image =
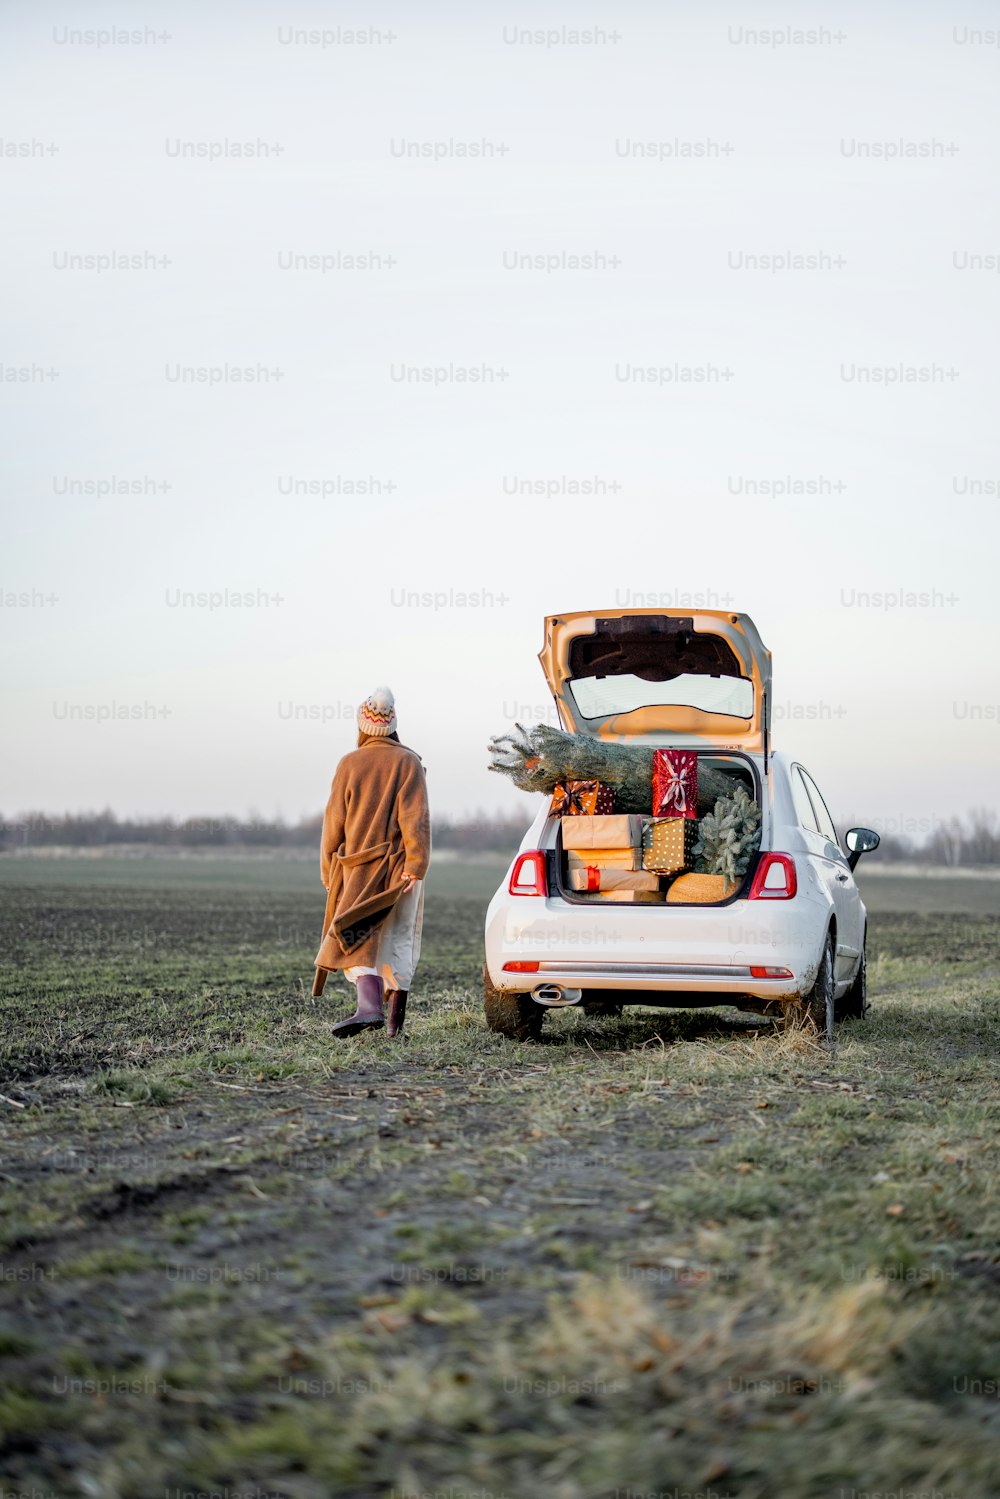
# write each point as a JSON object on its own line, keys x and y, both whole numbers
{"x": 536, "y": 759}
{"x": 728, "y": 836}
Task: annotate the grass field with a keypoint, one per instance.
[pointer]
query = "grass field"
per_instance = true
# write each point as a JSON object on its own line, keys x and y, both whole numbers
{"x": 675, "y": 1253}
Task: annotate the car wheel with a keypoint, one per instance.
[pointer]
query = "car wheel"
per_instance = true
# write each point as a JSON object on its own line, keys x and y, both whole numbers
{"x": 854, "y": 1005}
{"x": 513, "y": 1015}
{"x": 820, "y": 999}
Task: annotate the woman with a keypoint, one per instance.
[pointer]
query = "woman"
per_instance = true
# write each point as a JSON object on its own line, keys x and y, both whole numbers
{"x": 374, "y": 855}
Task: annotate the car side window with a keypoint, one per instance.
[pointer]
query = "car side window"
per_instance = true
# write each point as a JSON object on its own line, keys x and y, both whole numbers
{"x": 822, "y": 812}
{"x": 803, "y": 806}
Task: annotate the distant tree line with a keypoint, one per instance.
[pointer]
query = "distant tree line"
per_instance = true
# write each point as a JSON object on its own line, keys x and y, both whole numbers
{"x": 953, "y": 843}
{"x": 105, "y": 829}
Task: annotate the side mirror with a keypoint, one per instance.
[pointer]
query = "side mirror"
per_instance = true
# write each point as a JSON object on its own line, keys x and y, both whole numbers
{"x": 860, "y": 841}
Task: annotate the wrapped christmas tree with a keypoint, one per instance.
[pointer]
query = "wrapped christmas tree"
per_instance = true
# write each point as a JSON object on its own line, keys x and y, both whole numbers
{"x": 728, "y": 837}
{"x": 538, "y": 758}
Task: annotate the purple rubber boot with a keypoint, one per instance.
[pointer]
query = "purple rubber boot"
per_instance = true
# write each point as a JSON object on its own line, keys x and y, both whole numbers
{"x": 370, "y": 1013}
{"x": 397, "y": 1011}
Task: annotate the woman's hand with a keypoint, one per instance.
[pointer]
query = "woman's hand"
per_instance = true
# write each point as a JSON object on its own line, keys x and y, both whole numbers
{"x": 409, "y": 880}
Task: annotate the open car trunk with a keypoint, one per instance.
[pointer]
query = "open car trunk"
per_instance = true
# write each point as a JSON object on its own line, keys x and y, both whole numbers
{"x": 594, "y": 875}
{"x": 667, "y": 676}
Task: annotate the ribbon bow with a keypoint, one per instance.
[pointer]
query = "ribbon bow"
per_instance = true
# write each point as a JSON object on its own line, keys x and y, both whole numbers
{"x": 569, "y": 799}
{"x": 675, "y": 795}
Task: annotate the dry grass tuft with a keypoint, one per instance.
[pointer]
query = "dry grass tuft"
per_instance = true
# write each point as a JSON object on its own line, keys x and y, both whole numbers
{"x": 852, "y": 1332}
{"x": 612, "y": 1329}
{"x": 799, "y": 1038}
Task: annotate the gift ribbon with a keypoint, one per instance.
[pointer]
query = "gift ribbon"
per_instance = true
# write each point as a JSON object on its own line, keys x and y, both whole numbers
{"x": 676, "y": 792}
{"x": 573, "y": 799}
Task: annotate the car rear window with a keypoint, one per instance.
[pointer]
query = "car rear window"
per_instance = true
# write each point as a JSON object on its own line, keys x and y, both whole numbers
{"x": 596, "y": 697}
{"x": 826, "y": 825}
{"x": 803, "y": 805}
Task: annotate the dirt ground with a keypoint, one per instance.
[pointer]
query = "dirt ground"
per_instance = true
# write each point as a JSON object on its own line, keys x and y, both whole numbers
{"x": 668, "y": 1254}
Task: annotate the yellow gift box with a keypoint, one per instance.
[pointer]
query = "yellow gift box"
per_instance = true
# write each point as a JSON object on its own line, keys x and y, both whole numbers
{"x": 605, "y": 858}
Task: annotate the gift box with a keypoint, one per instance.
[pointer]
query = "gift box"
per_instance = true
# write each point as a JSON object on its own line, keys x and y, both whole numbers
{"x": 699, "y": 889}
{"x": 593, "y": 878}
{"x": 667, "y": 843}
{"x": 581, "y": 799}
{"x": 637, "y": 897}
{"x": 621, "y": 831}
{"x": 605, "y": 858}
{"x": 675, "y": 783}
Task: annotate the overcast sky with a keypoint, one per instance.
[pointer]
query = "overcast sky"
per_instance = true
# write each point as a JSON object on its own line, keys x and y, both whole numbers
{"x": 387, "y": 223}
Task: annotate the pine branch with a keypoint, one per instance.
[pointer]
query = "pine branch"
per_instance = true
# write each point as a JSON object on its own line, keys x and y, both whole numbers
{"x": 728, "y": 836}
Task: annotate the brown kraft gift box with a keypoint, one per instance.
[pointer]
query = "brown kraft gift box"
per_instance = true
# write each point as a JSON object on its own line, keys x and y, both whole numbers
{"x": 620, "y": 830}
{"x": 593, "y": 879}
{"x": 637, "y": 897}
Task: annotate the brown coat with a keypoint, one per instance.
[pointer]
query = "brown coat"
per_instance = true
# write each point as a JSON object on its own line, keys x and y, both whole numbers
{"x": 376, "y": 829}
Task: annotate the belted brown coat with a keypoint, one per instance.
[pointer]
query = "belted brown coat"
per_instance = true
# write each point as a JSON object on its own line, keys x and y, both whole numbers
{"x": 376, "y": 829}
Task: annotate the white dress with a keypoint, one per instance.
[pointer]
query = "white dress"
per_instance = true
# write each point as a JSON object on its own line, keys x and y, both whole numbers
{"x": 398, "y": 941}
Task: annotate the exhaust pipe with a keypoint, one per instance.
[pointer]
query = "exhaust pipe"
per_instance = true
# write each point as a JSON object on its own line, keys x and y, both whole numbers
{"x": 555, "y": 994}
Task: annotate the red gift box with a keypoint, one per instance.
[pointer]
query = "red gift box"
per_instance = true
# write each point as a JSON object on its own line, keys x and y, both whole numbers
{"x": 581, "y": 799}
{"x": 675, "y": 783}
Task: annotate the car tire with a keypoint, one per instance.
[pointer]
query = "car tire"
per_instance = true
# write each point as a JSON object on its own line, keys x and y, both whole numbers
{"x": 854, "y": 1005}
{"x": 820, "y": 1001}
{"x": 513, "y": 1015}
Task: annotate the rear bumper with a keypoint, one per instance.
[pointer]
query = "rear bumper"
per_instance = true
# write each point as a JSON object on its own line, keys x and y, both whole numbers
{"x": 648, "y": 951}
{"x": 647, "y": 980}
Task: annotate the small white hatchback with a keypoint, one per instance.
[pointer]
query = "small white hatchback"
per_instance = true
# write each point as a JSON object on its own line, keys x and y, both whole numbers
{"x": 790, "y": 936}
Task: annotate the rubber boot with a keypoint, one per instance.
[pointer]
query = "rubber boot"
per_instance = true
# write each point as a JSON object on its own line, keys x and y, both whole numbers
{"x": 370, "y": 1013}
{"x": 397, "y": 1011}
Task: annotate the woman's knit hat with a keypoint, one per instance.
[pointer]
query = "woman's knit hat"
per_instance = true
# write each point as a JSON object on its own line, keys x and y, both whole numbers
{"x": 377, "y": 714}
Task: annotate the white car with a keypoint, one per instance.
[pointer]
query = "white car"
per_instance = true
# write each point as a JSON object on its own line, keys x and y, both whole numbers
{"x": 792, "y": 935}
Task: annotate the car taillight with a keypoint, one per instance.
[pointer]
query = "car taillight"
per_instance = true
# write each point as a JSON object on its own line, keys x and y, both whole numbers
{"x": 775, "y": 878}
{"x": 528, "y": 875}
{"x": 771, "y": 973}
{"x": 520, "y": 968}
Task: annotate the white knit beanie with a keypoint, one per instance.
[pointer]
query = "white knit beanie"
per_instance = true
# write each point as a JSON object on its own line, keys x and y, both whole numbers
{"x": 377, "y": 714}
